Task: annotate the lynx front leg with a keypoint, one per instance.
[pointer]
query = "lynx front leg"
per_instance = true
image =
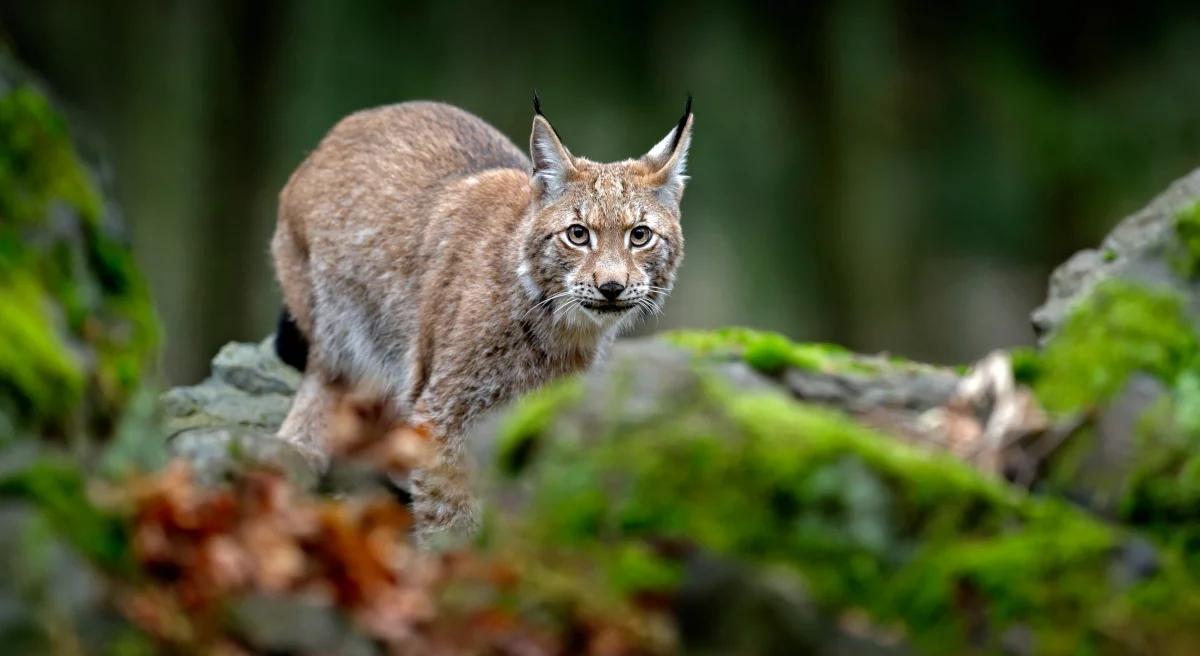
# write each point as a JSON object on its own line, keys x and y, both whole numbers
{"x": 307, "y": 422}
{"x": 444, "y": 507}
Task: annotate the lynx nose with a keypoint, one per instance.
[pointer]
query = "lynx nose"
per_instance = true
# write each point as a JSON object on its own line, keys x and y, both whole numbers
{"x": 611, "y": 290}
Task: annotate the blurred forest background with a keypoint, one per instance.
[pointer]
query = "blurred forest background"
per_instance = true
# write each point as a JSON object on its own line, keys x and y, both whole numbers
{"x": 889, "y": 174}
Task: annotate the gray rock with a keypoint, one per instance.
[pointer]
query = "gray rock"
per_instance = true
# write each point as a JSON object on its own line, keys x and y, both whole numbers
{"x": 642, "y": 377}
{"x": 238, "y": 409}
{"x": 1113, "y": 453}
{"x": 230, "y": 419}
{"x": 254, "y": 369}
{"x": 217, "y": 404}
{"x": 1138, "y": 249}
{"x": 278, "y": 625}
{"x": 217, "y": 454}
{"x": 250, "y": 388}
{"x": 726, "y": 607}
{"x": 913, "y": 390}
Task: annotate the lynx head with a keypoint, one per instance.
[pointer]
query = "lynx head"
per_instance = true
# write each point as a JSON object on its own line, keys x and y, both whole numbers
{"x": 604, "y": 239}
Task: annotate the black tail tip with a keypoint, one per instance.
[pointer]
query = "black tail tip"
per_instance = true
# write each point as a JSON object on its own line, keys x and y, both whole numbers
{"x": 290, "y": 344}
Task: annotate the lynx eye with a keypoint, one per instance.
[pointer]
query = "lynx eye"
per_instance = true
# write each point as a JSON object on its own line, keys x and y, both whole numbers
{"x": 640, "y": 236}
{"x": 578, "y": 235}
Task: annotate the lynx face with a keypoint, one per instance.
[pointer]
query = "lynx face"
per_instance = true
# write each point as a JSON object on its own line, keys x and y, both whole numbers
{"x": 605, "y": 240}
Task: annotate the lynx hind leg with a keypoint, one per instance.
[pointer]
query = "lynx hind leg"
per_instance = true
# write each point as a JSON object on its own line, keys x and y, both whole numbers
{"x": 306, "y": 423}
{"x": 444, "y": 507}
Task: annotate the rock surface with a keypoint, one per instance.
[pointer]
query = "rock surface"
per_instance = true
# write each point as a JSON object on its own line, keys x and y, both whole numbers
{"x": 231, "y": 418}
{"x": 248, "y": 394}
{"x": 1140, "y": 248}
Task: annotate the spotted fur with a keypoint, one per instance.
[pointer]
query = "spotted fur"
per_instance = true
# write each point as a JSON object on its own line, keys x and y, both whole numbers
{"x": 426, "y": 259}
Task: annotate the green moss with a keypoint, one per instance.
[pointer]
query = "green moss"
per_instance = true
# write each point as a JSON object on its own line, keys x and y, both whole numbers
{"x": 1121, "y": 328}
{"x": 1161, "y": 493}
{"x": 57, "y": 488}
{"x": 1186, "y": 259}
{"x": 1109, "y": 255}
{"x": 75, "y": 316}
{"x": 525, "y": 424}
{"x": 1026, "y": 365}
{"x": 771, "y": 353}
{"x": 914, "y": 539}
{"x": 37, "y": 163}
{"x": 633, "y": 568}
{"x": 36, "y": 369}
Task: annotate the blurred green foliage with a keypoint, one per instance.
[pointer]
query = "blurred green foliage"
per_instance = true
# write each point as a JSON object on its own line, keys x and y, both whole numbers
{"x": 77, "y": 335}
{"x": 75, "y": 318}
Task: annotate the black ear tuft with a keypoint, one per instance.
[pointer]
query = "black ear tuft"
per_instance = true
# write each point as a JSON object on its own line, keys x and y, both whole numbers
{"x": 537, "y": 110}
{"x": 687, "y": 111}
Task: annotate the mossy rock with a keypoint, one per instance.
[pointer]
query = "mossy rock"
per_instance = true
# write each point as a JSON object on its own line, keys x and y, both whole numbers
{"x": 1119, "y": 329}
{"x": 614, "y": 474}
{"x": 772, "y": 353}
{"x": 1158, "y": 246}
{"x": 1121, "y": 364}
{"x": 77, "y": 330}
{"x": 830, "y": 374}
{"x": 1125, "y": 367}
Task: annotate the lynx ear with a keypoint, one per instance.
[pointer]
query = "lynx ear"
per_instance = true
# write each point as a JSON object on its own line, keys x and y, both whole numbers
{"x": 553, "y": 164}
{"x": 668, "y": 158}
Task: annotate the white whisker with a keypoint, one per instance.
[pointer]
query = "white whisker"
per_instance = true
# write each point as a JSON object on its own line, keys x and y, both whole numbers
{"x": 651, "y": 310}
{"x": 655, "y": 307}
{"x": 646, "y": 307}
{"x": 562, "y": 309}
{"x": 543, "y": 302}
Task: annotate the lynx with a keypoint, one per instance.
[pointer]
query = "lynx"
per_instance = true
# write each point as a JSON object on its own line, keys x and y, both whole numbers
{"x": 423, "y": 256}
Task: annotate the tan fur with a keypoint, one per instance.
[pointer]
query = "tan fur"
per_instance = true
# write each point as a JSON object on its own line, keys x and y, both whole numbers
{"x": 425, "y": 259}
